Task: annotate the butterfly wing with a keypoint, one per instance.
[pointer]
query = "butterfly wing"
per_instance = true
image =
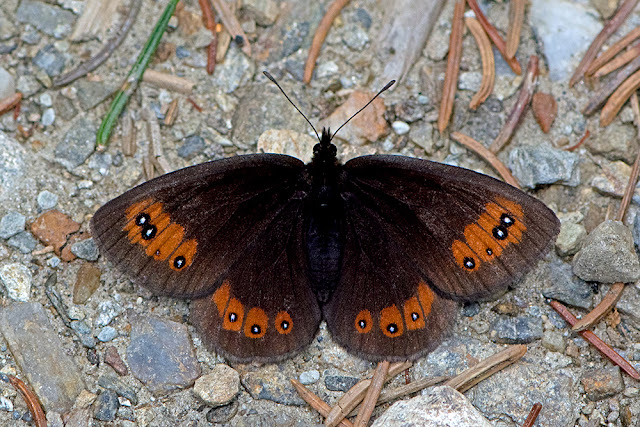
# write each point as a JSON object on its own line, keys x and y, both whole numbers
{"x": 441, "y": 234}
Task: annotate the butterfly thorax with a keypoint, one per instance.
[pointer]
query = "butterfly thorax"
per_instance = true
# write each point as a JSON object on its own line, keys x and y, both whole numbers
{"x": 324, "y": 227}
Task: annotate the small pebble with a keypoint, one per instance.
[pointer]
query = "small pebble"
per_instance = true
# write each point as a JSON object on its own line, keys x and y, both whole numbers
{"x": 545, "y": 109}
{"x": 5, "y": 404}
{"x": 106, "y": 406}
{"x": 106, "y": 334}
{"x": 86, "y": 249}
{"x": 400, "y": 128}
{"x": 516, "y": 330}
{"x": 16, "y": 279}
{"x": 53, "y": 227}
{"x": 223, "y": 414}
{"x": 339, "y": 382}
{"x": 107, "y": 311}
{"x": 47, "y": 200}
{"x": 113, "y": 359}
{"x": 114, "y": 384}
{"x": 602, "y": 383}
{"x": 192, "y": 146}
{"x": 309, "y": 377}
{"x": 219, "y": 386}
{"x": 48, "y": 117}
{"x": 87, "y": 282}
{"x": 23, "y": 241}
{"x": 11, "y": 224}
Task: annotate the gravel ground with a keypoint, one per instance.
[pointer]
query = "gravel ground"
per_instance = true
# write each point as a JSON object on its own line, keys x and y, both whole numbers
{"x": 102, "y": 351}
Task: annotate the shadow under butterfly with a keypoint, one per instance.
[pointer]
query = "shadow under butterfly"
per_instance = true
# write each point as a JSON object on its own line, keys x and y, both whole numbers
{"x": 382, "y": 247}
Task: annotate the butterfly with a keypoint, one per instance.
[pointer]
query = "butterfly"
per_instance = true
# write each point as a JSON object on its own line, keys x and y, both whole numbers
{"x": 382, "y": 247}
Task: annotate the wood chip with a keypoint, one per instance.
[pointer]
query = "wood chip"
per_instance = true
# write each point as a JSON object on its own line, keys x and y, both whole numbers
{"x": 168, "y": 81}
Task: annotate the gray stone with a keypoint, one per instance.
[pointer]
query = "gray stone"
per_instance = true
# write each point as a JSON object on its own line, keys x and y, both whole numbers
{"x": 5, "y": 404}
{"x": 106, "y": 406}
{"x": 602, "y": 383}
{"x": 107, "y": 311}
{"x": 91, "y": 94}
{"x": 516, "y": 330}
{"x": 48, "y": 117}
{"x": 636, "y": 231}
{"x": 50, "y": 60}
{"x": 7, "y": 84}
{"x": 614, "y": 142}
{"x": 219, "y": 386}
{"x": 49, "y": 19}
{"x": 17, "y": 280}
{"x": 554, "y": 341}
{"x": 289, "y": 142}
{"x": 116, "y": 385}
{"x": 293, "y": 38}
{"x": 101, "y": 162}
{"x": 438, "y": 407}
{"x": 47, "y": 200}
{"x": 629, "y": 305}
{"x": 309, "y": 377}
{"x": 264, "y": 12}
{"x": 354, "y": 36}
{"x": 86, "y": 249}
{"x": 31, "y": 36}
{"x": 608, "y": 255}
{"x": 12, "y": 166}
{"x": 421, "y": 133}
{"x": 28, "y": 85}
{"x": 339, "y": 382}
{"x": 400, "y": 127}
{"x": 77, "y": 145}
{"x": 23, "y": 241}
{"x": 161, "y": 354}
{"x": 192, "y": 146}
{"x": 539, "y": 164}
{"x": 565, "y": 287}
{"x": 510, "y": 394}
{"x": 573, "y": 23}
{"x": 11, "y": 224}
{"x": 236, "y": 70}
{"x": 106, "y": 334}
{"x": 270, "y": 384}
{"x": 570, "y": 238}
{"x": 7, "y": 28}
{"x": 223, "y": 414}
{"x": 34, "y": 344}
{"x": 84, "y": 333}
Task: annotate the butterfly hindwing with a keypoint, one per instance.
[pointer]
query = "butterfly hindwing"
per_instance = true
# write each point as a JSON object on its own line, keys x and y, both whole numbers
{"x": 178, "y": 233}
{"x": 468, "y": 234}
{"x": 263, "y": 310}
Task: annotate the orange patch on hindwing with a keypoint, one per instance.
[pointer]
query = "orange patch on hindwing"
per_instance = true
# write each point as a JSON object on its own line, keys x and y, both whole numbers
{"x": 426, "y": 297}
{"x": 233, "y": 316}
{"x": 284, "y": 324}
{"x": 255, "y": 325}
{"x": 499, "y": 226}
{"x": 413, "y": 315}
{"x": 221, "y": 296}
{"x": 150, "y": 226}
{"x": 364, "y": 321}
{"x": 391, "y": 321}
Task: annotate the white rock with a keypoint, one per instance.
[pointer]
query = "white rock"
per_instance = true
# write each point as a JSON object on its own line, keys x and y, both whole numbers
{"x": 219, "y": 386}
{"x": 16, "y": 279}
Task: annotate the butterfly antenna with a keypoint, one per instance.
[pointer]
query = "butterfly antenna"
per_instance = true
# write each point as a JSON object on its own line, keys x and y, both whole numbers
{"x": 387, "y": 86}
{"x": 270, "y": 77}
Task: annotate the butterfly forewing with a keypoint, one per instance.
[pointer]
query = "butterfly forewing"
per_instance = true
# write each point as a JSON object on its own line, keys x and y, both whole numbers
{"x": 468, "y": 234}
{"x": 177, "y": 234}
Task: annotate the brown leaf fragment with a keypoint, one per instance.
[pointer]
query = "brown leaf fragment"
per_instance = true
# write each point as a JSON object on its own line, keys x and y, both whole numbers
{"x": 545, "y": 109}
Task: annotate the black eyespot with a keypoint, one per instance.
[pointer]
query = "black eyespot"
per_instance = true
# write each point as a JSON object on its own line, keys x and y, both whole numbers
{"x": 284, "y": 325}
{"x": 415, "y": 316}
{"x": 149, "y": 231}
{"x": 179, "y": 262}
{"x": 142, "y": 219}
{"x": 362, "y": 324}
{"x": 489, "y": 251}
{"x": 507, "y": 220}
{"x": 469, "y": 263}
{"x": 500, "y": 232}
{"x": 256, "y": 329}
{"x": 233, "y": 317}
{"x": 392, "y": 328}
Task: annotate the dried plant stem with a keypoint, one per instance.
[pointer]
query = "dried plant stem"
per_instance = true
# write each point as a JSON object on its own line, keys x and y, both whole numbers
{"x": 9, "y": 102}
{"x": 104, "y": 54}
{"x": 33, "y": 404}
{"x": 533, "y": 415}
{"x": 315, "y": 402}
{"x": 609, "y": 28}
{"x": 610, "y": 86}
{"x": 495, "y": 37}
{"x": 172, "y": 113}
{"x": 487, "y": 155}
{"x": 633, "y": 178}
{"x": 320, "y": 35}
{"x": 608, "y": 54}
{"x": 168, "y": 81}
{"x": 453, "y": 67}
{"x": 134, "y": 76}
{"x": 632, "y": 53}
{"x": 601, "y": 310}
{"x": 579, "y": 143}
{"x": 128, "y": 141}
{"x": 156, "y": 156}
{"x": 594, "y": 340}
{"x": 488, "y": 64}
{"x": 207, "y": 15}
{"x": 489, "y": 366}
{"x": 231, "y": 24}
{"x": 516, "y": 19}
{"x": 369, "y": 402}
{"x": 619, "y": 98}
{"x": 354, "y": 396}
{"x": 524, "y": 98}
{"x": 210, "y": 23}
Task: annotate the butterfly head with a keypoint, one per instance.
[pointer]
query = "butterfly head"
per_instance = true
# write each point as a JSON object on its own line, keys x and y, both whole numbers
{"x": 325, "y": 151}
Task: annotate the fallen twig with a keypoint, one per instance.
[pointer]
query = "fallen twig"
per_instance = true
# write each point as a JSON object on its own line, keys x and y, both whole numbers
{"x": 488, "y": 63}
{"x": 320, "y": 35}
{"x": 168, "y": 81}
{"x": 232, "y": 25}
{"x": 33, "y": 404}
{"x": 9, "y": 102}
{"x": 487, "y": 155}
{"x": 131, "y": 82}
{"x": 516, "y": 19}
{"x": 619, "y": 98}
{"x": 104, "y": 54}
{"x": 579, "y": 143}
{"x": 608, "y": 54}
{"x": 524, "y": 98}
{"x": 369, "y": 402}
{"x": 495, "y": 37}
{"x": 315, "y": 402}
{"x": 609, "y": 28}
{"x": 172, "y": 113}
{"x": 453, "y": 67}
{"x": 594, "y": 340}
{"x": 533, "y": 415}
{"x": 619, "y": 61}
{"x": 601, "y": 95}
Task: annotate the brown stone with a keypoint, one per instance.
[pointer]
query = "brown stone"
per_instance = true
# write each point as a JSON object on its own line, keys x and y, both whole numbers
{"x": 65, "y": 254}
{"x": 368, "y": 126}
{"x": 545, "y": 109}
{"x": 602, "y": 383}
{"x": 113, "y": 359}
{"x": 87, "y": 281}
{"x": 52, "y": 229}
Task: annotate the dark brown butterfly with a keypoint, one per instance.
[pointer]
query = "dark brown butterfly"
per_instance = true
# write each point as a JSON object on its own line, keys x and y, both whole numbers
{"x": 382, "y": 248}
